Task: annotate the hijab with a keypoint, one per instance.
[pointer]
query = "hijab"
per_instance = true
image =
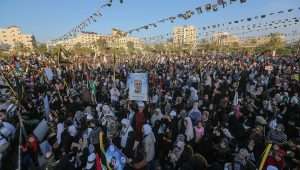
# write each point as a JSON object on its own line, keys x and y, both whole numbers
{"x": 125, "y": 131}
{"x": 189, "y": 131}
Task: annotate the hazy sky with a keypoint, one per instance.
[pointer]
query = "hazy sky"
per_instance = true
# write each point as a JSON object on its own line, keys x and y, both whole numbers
{"x": 49, "y": 19}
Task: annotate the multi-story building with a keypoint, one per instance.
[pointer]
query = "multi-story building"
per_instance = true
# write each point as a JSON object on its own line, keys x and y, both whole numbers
{"x": 123, "y": 41}
{"x": 118, "y": 33}
{"x": 86, "y": 39}
{"x": 118, "y": 39}
{"x": 13, "y": 35}
{"x": 260, "y": 40}
{"x": 185, "y": 35}
{"x": 225, "y": 38}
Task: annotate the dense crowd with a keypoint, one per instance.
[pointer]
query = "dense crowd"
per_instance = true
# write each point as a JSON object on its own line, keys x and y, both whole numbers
{"x": 204, "y": 112}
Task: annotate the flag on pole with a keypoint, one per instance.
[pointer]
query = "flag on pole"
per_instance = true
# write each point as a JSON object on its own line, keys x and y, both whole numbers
{"x": 265, "y": 156}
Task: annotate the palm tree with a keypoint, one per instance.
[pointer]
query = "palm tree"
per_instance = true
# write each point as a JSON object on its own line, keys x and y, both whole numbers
{"x": 20, "y": 48}
{"x": 275, "y": 42}
{"x": 41, "y": 49}
{"x": 101, "y": 44}
{"x": 80, "y": 50}
{"x": 130, "y": 47}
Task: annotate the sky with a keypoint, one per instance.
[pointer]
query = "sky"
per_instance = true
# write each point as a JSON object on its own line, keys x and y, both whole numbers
{"x": 50, "y": 19}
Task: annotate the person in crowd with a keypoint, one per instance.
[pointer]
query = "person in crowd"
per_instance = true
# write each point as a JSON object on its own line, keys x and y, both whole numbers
{"x": 209, "y": 112}
{"x": 127, "y": 138}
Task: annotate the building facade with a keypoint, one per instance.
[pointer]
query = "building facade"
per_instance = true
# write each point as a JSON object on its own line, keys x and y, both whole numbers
{"x": 225, "y": 38}
{"x": 86, "y": 39}
{"x": 123, "y": 41}
{"x": 13, "y": 35}
{"x": 117, "y": 39}
{"x": 185, "y": 35}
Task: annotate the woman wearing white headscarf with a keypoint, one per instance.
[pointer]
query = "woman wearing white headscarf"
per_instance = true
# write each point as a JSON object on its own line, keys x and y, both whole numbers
{"x": 189, "y": 131}
{"x": 127, "y": 137}
{"x": 156, "y": 116}
{"x": 149, "y": 149}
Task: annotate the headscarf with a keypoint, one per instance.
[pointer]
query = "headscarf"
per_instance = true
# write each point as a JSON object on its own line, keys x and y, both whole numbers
{"x": 125, "y": 131}
{"x": 156, "y": 117}
{"x": 147, "y": 129}
{"x": 189, "y": 132}
{"x": 148, "y": 132}
{"x": 177, "y": 151}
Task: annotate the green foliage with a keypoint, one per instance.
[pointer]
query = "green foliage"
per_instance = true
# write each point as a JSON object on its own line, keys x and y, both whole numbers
{"x": 80, "y": 50}
{"x": 41, "y": 49}
{"x": 101, "y": 44}
{"x": 20, "y": 48}
{"x": 130, "y": 47}
{"x": 275, "y": 42}
{"x": 3, "y": 55}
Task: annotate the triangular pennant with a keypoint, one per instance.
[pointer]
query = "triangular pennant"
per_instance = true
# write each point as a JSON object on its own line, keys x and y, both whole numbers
{"x": 215, "y": 7}
{"x": 208, "y": 7}
{"x": 199, "y": 10}
{"x": 280, "y": 12}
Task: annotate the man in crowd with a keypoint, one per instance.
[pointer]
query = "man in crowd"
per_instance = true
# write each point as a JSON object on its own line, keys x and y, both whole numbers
{"x": 208, "y": 112}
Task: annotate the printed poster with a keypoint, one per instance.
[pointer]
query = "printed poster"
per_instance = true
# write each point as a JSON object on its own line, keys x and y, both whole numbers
{"x": 115, "y": 158}
{"x": 138, "y": 86}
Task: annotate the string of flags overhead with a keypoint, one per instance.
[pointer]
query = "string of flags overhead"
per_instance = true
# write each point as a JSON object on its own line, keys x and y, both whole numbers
{"x": 86, "y": 22}
{"x": 210, "y": 7}
{"x": 275, "y": 24}
{"x": 247, "y": 19}
{"x": 244, "y": 29}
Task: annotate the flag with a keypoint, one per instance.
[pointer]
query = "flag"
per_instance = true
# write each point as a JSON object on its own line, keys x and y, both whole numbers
{"x": 215, "y": 7}
{"x": 98, "y": 162}
{"x": 199, "y": 10}
{"x": 46, "y": 106}
{"x": 102, "y": 149}
{"x": 208, "y": 7}
{"x": 235, "y": 99}
{"x": 264, "y": 156}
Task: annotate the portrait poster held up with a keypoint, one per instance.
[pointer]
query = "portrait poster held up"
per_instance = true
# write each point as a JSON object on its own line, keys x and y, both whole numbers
{"x": 115, "y": 158}
{"x": 138, "y": 86}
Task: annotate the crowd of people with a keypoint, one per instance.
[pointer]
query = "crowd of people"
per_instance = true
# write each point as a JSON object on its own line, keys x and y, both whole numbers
{"x": 203, "y": 113}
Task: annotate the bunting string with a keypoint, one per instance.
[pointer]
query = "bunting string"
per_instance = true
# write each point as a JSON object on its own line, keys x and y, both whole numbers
{"x": 86, "y": 22}
{"x": 210, "y": 7}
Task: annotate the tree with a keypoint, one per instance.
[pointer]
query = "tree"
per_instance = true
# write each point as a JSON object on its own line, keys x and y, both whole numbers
{"x": 130, "y": 47}
{"x": 3, "y": 55}
{"x": 20, "y": 48}
{"x": 41, "y": 49}
{"x": 80, "y": 50}
{"x": 159, "y": 48}
{"x": 275, "y": 42}
{"x": 101, "y": 44}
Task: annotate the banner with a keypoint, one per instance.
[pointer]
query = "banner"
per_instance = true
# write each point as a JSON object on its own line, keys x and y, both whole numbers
{"x": 46, "y": 106}
{"x": 41, "y": 130}
{"x": 115, "y": 158}
{"x": 138, "y": 86}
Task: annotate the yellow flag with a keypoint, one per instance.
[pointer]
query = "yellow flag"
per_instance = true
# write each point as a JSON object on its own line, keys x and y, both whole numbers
{"x": 264, "y": 156}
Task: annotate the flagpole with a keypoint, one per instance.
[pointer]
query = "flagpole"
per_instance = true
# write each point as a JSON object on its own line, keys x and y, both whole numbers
{"x": 19, "y": 149}
{"x": 114, "y": 78}
{"x": 19, "y": 105}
